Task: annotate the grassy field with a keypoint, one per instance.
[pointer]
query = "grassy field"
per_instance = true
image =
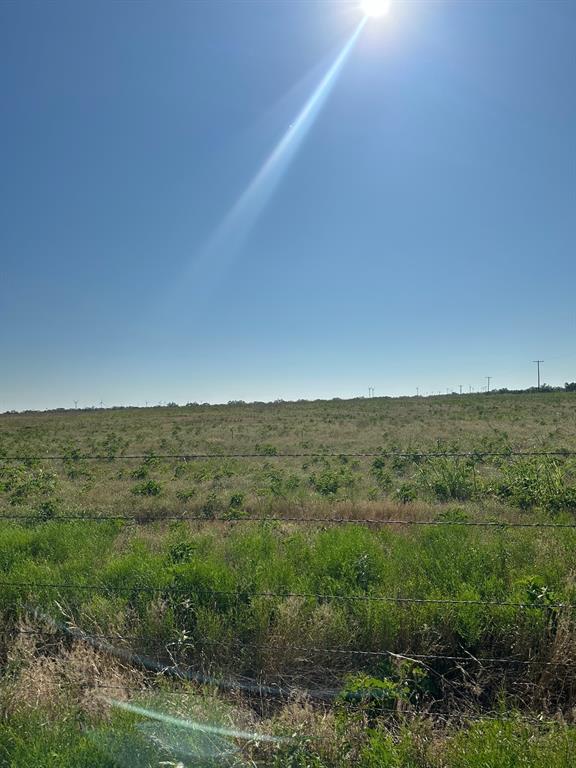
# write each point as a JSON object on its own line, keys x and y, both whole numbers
{"x": 319, "y": 579}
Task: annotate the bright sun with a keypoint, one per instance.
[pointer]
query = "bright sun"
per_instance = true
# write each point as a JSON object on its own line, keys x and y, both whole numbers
{"x": 376, "y": 7}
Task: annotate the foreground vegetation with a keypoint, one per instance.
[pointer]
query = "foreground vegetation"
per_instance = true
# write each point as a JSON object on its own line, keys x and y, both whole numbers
{"x": 371, "y": 642}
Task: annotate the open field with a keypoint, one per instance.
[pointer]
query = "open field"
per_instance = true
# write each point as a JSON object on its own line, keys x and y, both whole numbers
{"x": 366, "y": 577}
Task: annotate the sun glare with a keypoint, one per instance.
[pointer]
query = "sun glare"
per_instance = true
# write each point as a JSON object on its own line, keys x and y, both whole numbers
{"x": 375, "y": 8}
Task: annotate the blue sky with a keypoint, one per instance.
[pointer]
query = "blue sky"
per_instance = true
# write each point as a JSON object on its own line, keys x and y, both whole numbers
{"x": 421, "y": 234}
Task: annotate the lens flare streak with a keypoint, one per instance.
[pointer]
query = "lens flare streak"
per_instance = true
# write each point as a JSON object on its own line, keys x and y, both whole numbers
{"x": 244, "y": 214}
{"x": 190, "y": 725}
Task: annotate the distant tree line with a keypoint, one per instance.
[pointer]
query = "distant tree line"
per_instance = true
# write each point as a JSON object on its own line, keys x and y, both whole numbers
{"x": 569, "y": 386}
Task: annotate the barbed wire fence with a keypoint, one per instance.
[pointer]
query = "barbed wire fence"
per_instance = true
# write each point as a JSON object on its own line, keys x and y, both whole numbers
{"x": 108, "y": 643}
{"x": 184, "y": 456}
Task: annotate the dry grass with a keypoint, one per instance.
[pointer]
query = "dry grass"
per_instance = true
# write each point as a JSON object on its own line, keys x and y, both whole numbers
{"x": 281, "y": 640}
{"x": 57, "y": 675}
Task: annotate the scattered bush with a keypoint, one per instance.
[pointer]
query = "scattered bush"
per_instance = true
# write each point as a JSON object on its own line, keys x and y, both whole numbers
{"x": 236, "y": 501}
{"x": 274, "y": 482}
{"x": 48, "y": 509}
{"x": 537, "y": 482}
{"x": 266, "y": 449}
{"x": 330, "y": 481}
{"x": 448, "y": 479}
{"x": 185, "y": 495}
{"x": 149, "y": 488}
{"x": 140, "y": 473}
{"x": 406, "y": 493}
{"x": 381, "y": 474}
{"x": 183, "y": 552}
{"x": 211, "y": 506}
{"x": 372, "y": 696}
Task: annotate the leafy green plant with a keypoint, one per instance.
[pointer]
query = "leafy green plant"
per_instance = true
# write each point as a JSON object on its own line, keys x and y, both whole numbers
{"x": 73, "y": 464}
{"x": 381, "y": 473}
{"x": 447, "y": 479}
{"x": 371, "y": 695}
{"x": 452, "y": 515}
{"x": 274, "y": 482}
{"x": 27, "y": 483}
{"x": 148, "y": 488}
{"x": 330, "y": 481}
{"x": 211, "y": 506}
{"x": 47, "y": 510}
{"x": 415, "y": 681}
{"x": 236, "y": 501}
{"x": 182, "y": 552}
{"x": 537, "y": 482}
{"x": 265, "y": 449}
{"x": 405, "y": 493}
{"x": 185, "y": 495}
{"x": 326, "y": 483}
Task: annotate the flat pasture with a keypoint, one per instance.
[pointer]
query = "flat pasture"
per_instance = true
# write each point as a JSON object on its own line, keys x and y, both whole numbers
{"x": 387, "y": 581}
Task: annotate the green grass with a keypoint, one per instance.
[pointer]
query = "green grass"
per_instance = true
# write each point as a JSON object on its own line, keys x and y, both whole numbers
{"x": 499, "y": 743}
{"x": 209, "y": 590}
{"x": 270, "y": 482}
{"x": 192, "y": 593}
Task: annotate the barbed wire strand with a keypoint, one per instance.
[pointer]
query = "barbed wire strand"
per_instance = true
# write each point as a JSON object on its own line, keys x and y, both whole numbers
{"x": 179, "y": 644}
{"x": 319, "y": 455}
{"x": 455, "y": 717}
{"x": 251, "y": 686}
{"x": 191, "y": 590}
{"x": 139, "y": 519}
{"x": 244, "y": 685}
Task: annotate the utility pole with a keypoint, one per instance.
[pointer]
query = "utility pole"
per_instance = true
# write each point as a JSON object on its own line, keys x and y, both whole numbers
{"x": 488, "y": 378}
{"x": 538, "y": 364}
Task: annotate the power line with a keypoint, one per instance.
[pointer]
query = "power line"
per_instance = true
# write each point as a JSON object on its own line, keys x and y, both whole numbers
{"x": 304, "y": 595}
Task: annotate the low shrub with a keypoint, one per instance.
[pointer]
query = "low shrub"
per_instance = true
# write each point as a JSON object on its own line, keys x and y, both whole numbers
{"x": 148, "y": 488}
{"x": 537, "y": 482}
{"x": 446, "y": 479}
{"x": 236, "y": 501}
{"x": 405, "y": 493}
{"x": 372, "y": 696}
